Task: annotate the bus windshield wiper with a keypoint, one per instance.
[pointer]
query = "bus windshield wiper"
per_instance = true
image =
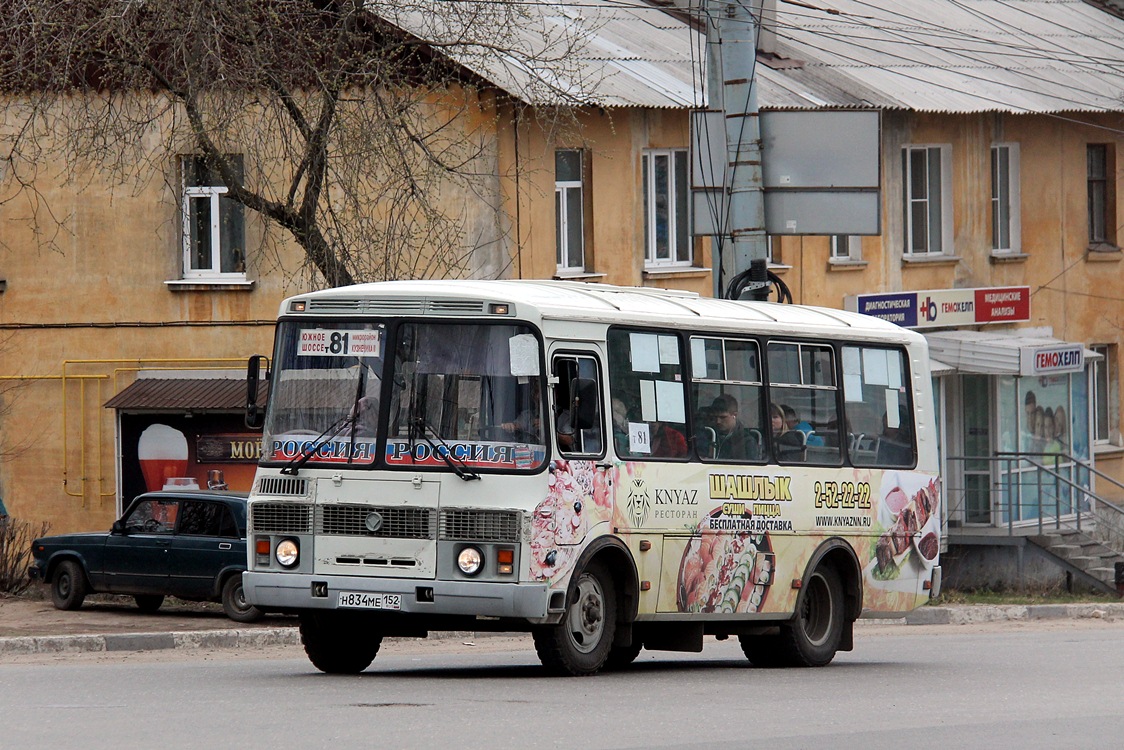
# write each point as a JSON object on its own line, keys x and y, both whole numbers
{"x": 312, "y": 446}
{"x": 459, "y": 467}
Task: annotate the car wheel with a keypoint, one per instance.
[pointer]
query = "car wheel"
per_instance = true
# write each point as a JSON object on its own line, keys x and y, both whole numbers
{"x": 234, "y": 602}
{"x": 148, "y": 602}
{"x": 337, "y": 643}
{"x": 68, "y": 588}
{"x": 580, "y": 644}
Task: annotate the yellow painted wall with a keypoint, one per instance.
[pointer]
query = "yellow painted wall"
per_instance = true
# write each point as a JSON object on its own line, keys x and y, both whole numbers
{"x": 615, "y": 140}
{"x": 102, "y": 294}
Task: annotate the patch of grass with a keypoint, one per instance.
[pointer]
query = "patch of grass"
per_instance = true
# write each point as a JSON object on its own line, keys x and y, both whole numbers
{"x": 987, "y": 596}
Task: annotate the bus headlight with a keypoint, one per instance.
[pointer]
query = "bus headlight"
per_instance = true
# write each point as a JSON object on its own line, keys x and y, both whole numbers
{"x": 470, "y": 560}
{"x": 287, "y": 552}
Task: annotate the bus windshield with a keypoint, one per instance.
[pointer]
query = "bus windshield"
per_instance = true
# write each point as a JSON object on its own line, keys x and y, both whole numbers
{"x": 459, "y": 395}
{"x": 324, "y": 404}
{"x": 467, "y": 391}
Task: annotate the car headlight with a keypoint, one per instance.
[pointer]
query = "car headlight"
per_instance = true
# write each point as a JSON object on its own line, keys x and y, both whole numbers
{"x": 470, "y": 560}
{"x": 287, "y": 552}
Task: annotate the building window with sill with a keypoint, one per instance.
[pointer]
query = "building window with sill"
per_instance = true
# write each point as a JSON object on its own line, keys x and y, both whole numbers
{"x": 1106, "y": 400}
{"x": 846, "y": 248}
{"x": 773, "y": 256}
{"x": 569, "y": 211}
{"x": 214, "y": 243}
{"x": 667, "y": 238}
{"x": 1100, "y": 164}
{"x": 1005, "y": 221}
{"x": 927, "y": 182}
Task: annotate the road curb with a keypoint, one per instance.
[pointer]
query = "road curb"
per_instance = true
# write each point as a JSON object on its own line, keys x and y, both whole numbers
{"x": 1012, "y": 613}
{"x": 72, "y": 644}
{"x": 290, "y": 636}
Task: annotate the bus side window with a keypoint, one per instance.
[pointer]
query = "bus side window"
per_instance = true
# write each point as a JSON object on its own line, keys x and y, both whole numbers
{"x": 804, "y": 396}
{"x": 648, "y": 394}
{"x": 726, "y": 400}
{"x": 577, "y": 412}
{"x": 879, "y": 411}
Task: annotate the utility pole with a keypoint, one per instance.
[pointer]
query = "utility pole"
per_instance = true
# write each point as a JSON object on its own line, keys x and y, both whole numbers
{"x": 733, "y": 27}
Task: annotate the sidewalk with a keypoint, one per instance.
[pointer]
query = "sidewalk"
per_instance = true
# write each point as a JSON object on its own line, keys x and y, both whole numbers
{"x": 105, "y": 627}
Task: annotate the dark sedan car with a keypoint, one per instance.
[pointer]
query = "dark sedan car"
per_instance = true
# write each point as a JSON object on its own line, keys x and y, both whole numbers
{"x": 191, "y": 545}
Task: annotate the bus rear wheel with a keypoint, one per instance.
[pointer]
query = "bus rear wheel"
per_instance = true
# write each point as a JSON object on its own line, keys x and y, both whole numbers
{"x": 338, "y": 644}
{"x": 813, "y": 636}
{"x": 764, "y": 651}
{"x": 580, "y": 644}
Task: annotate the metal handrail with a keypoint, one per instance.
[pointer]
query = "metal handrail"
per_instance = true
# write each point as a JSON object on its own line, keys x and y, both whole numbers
{"x": 1015, "y": 497}
{"x": 1115, "y": 511}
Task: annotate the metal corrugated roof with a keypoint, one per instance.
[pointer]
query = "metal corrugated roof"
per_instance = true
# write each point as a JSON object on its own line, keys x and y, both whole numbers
{"x": 183, "y": 394}
{"x": 948, "y": 56}
{"x": 597, "y": 52}
{"x": 922, "y": 55}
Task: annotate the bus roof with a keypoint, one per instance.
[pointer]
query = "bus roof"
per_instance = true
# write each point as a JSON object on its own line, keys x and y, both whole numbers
{"x": 592, "y": 302}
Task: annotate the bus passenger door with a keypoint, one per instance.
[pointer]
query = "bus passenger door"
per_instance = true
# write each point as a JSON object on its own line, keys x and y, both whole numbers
{"x": 581, "y": 487}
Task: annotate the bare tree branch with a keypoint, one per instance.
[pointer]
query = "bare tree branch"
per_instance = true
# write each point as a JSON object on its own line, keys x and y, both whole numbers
{"x": 359, "y": 121}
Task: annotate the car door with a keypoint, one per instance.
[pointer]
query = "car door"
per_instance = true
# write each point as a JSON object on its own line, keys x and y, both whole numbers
{"x": 136, "y": 554}
{"x": 206, "y": 542}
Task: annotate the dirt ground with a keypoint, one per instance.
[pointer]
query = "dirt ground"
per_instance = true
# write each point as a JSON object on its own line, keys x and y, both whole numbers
{"x": 32, "y": 614}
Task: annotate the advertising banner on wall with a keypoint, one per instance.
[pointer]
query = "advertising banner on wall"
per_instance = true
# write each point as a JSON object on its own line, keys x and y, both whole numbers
{"x": 936, "y": 308}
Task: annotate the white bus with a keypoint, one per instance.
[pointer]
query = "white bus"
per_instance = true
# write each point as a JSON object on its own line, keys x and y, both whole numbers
{"x": 608, "y": 468}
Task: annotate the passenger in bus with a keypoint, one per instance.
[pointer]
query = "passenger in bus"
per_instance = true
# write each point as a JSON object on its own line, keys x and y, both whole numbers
{"x": 793, "y": 422}
{"x": 620, "y": 426}
{"x": 667, "y": 442}
{"x": 528, "y": 425}
{"x": 571, "y": 440}
{"x": 776, "y": 420}
{"x": 727, "y": 436}
{"x": 895, "y": 444}
{"x": 790, "y": 444}
{"x": 367, "y": 416}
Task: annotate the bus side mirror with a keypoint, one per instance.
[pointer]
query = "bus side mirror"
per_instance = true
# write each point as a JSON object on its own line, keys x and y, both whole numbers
{"x": 255, "y": 414}
{"x": 583, "y": 408}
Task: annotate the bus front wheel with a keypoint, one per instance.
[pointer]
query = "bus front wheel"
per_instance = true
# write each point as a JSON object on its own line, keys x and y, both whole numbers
{"x": 813, "y": 636}
{"x": 580, "y": 644}
{"x": 338, "y": 644}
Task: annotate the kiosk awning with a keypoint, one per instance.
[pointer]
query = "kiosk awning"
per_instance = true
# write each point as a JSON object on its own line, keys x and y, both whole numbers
{"x": 184, "y": 394}
{"x": 1029, "y": 352}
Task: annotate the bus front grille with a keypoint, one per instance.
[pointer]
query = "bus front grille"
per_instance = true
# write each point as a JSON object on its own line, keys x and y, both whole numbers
{"x": 280, "y": 518}
{"x": 283, "y": 486}
{"x": 367, "y": 520}
{"x": 468, "y": 525}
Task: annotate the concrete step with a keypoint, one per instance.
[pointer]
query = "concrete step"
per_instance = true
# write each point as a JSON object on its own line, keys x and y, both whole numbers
{"x": 1107, "y": 575}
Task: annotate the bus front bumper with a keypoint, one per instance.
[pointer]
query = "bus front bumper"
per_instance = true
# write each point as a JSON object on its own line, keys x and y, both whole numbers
{"x": 296, "y": 591}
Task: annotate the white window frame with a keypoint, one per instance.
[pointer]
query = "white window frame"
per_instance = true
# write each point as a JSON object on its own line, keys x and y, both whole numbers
{"x": 212, "y": 194}
{"x": 648, "y": 162}
{"x": 846, "y": 248}
{"x": 936, "y": 154}
{"x": 564, "y": 193}
{"x": 1005, "y": 200}
{"x": 1106, "y": 432}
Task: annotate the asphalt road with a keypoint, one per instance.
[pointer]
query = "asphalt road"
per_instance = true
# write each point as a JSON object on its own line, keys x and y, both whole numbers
{"x": 1036, "y": 684}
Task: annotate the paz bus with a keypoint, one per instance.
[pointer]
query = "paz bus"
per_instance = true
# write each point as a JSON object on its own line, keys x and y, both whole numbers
{"x": 610, "y": 469}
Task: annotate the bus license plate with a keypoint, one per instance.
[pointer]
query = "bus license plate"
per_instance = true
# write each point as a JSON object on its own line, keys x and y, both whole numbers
{"x": 369, "y": 601}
